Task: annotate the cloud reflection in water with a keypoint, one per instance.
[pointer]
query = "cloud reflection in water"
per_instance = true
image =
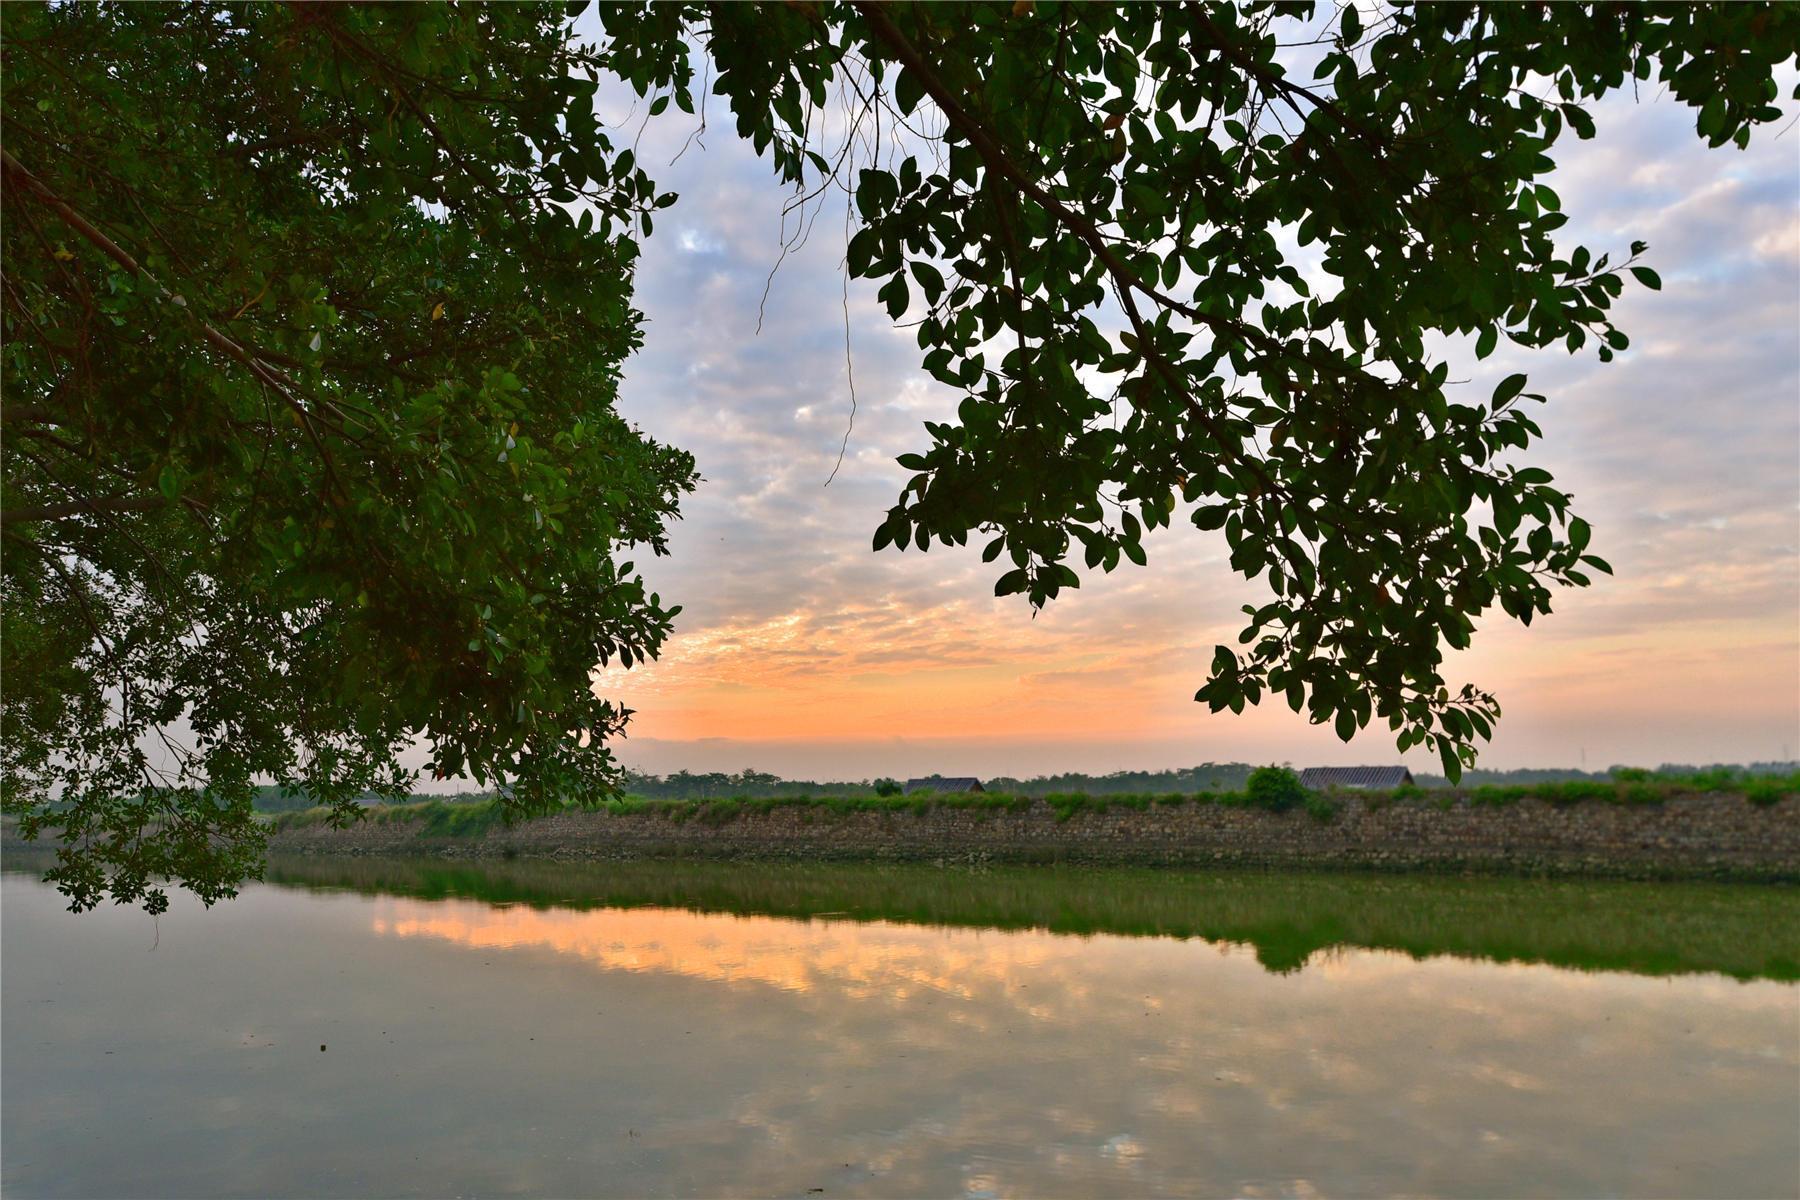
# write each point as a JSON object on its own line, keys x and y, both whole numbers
{"x": 1001, "y": 1063}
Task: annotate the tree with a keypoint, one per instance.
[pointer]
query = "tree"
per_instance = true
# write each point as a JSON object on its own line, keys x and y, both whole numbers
{"x": 314, "y": 314}
{"x": 310, "y": 447}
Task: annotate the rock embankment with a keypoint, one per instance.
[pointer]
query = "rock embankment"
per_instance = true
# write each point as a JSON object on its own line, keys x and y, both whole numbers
{"x": 1686, "y": 836}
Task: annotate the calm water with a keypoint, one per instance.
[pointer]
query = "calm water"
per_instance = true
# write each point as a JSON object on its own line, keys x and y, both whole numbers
{"x": 684, "y": 1030}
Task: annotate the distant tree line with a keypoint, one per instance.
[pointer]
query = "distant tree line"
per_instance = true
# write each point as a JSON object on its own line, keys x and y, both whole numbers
{"x": 1713, "y": 771}
{"x": 720, "y": 785}
{"x": 1207, "y": 777}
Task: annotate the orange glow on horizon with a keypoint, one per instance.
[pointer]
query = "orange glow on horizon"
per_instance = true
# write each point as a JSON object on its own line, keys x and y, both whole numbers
{"x": 963, "y": 670}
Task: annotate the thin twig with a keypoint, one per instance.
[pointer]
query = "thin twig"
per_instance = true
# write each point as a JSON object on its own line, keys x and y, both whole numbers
{"x": 849, "y": 369}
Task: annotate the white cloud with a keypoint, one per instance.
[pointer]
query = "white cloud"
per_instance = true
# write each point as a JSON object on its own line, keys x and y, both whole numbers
{"x": 1683, "y": 454}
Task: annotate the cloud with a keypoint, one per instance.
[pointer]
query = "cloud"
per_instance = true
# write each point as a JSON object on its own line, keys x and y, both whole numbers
{"x": 1682, "y": 454}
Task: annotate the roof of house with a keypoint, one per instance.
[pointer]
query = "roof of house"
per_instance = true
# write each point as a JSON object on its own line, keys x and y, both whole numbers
{"x": 958, "y": 783}
{"x": 1316, "y": 778}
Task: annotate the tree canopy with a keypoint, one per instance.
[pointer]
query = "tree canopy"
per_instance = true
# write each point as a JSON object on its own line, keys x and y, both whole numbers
{"x": 309, "y": 429}
{"x": 314, "y": 317}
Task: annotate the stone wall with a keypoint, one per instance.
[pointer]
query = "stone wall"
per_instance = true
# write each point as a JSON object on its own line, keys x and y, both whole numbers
{"x": 1712, "y": 835}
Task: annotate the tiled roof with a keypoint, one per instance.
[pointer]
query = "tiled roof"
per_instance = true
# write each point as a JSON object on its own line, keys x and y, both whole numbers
{"x": 1319, "y": 778}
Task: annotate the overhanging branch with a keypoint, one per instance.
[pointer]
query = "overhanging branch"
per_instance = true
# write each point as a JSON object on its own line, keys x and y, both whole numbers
{"x": 19, "y": 513}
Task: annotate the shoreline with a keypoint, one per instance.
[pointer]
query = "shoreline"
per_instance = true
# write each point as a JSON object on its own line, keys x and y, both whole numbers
{"x": 1717, "y": 836}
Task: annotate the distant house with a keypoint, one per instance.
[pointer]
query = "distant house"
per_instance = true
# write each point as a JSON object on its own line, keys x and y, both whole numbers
{"x": 938, "y": 783}
{"x": 1320, "y": 779}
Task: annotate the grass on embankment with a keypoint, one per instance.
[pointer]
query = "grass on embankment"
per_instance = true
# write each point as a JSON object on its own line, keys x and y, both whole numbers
{"x": 439, "y": 818}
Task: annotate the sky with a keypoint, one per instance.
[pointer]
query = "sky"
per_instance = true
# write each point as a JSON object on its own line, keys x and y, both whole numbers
{"x": 800, "y": 651}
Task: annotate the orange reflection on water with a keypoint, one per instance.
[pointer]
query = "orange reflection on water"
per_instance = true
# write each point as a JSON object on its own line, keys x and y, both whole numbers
{"x": 1201, "y": 993}
{"x": 854, "y": 960}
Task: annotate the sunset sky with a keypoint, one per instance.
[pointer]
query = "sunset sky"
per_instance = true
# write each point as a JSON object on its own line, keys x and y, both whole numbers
{"x": 802, "y": 652}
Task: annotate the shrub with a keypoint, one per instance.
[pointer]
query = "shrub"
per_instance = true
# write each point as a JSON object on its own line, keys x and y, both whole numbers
{"x": 1714, "y": 779}
{"x": 1764, "y": 792}
{"x": 1274, "y": 788}
{"x": 437, "y": 819}
{"x": 1321, "y": 807}
{"x": 1574, "y": 791}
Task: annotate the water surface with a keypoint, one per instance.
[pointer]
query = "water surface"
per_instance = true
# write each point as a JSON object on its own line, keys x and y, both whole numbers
{"x": 681, "y": 1030}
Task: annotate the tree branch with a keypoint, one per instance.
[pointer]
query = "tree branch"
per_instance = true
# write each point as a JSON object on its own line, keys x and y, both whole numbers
{"x": 17, "y": 174}
{"x": 78, "y": 508}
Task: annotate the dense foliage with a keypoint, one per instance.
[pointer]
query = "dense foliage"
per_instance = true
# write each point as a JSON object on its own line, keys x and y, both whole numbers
{"x": 313, "y": 318}
{"x": 309, "y": 441}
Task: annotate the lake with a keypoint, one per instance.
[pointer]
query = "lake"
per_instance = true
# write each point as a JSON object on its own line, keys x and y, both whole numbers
{"x": 361, "y": 1027}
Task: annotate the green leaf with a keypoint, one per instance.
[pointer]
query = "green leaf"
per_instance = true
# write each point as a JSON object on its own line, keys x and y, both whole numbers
{"x": 909, "y": 89}
{"x": 929, "y": 279}
{"x": 1447, "y": 755}
{"x": 1509, "y": 387}
{"x": 1578, "y": 120}
{"x": 895, "y": 296}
